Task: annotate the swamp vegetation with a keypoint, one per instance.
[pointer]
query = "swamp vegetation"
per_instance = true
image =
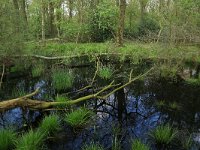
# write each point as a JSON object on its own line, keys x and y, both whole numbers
{"x": 99, "y": 74}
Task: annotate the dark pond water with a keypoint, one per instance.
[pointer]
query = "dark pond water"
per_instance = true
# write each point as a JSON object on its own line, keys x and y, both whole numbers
{"x": 134, "y": 110}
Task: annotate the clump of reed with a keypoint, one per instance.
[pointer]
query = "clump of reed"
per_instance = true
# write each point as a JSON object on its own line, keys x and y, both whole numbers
{"x": 62, "y": 79}
{"x": 50, "y": 124}
{"x": 79, "y": 118}
{"x": 33, "y": 140}
{"x": 105, "y": 72}
{"x": 7, "y": 139}
{"x": 38, "y": 70}
{"x": 163, "y": 135}
{"x": 92, "y": 146}
{"x": 138, "y": 145}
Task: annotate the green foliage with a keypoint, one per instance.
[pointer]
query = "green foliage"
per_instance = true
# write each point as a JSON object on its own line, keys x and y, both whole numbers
{"x": 186, "y": 142}
{"x": 33, "y": 140}
{"x": 18, "y": 93}
{"x": 50, "y": 125}
{"x": 79, "y": 118}
{"x": 73, "y": 31}
{"x": 174, "y": 106}
{"x": 163, "y": 135}
{"x": 193, "y": 81}
{"x": 7, "y": 139}
{"x": 62, "y": 79}
{"x": 103, "y": 21}
{"x": 105, "y": 72}
{"x": 138, "y": 145}
{"x": 60, "y": 98}
{"x": 92, "y": 146}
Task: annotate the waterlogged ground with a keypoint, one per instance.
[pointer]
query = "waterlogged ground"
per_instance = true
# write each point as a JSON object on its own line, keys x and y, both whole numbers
{"x": 129, "y": 113}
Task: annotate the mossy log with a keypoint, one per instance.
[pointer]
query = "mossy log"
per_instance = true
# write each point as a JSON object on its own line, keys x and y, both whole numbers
{"x": 27, "y": 102}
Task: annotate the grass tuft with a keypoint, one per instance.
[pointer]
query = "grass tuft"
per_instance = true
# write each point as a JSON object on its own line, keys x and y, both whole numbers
{"x": 7, "y": 139}
{"x": 92, "y": 146}
{"x": 33, "y": 140}
{"x": 105, "y": 72}
{"x": 138, "y": 145}
{"x": 79, "y": 118}
{"x": 50, "y": 125}
{"x": 62, "y": 79}
{"x": 38, "y": 70}
{"x": 163, "y": 135}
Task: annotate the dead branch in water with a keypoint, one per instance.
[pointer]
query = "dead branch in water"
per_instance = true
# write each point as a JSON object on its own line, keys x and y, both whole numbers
{"x": 27, "y": 102}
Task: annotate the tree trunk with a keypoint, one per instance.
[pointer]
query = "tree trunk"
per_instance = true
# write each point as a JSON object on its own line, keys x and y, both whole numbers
{"x": 51, "y": 18}
{"x": 70, "y": 9}
{"x": 120, "y": 31}
{"x": 43, "y": 20}
{"x": 23, "y": 10}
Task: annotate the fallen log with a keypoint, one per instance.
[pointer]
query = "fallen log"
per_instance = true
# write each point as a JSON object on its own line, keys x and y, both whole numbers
{"x": 27, "y": 102}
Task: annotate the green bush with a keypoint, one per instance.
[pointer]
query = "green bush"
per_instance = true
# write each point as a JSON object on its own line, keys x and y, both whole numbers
{"x": 105, "y": 72}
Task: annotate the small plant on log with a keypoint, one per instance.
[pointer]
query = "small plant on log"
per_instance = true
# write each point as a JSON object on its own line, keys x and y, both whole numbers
{"x": 7, "y": 139}
{"x": 79, "y": 118}
{"x": 50, "y": 125}
{"x": 33, "y": 140}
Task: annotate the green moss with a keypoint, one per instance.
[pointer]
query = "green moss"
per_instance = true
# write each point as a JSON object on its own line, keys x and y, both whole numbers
{"x": 79, "y": 118}
{"x": 138, "y": 145}
{"x": 7, "y": 139}
{"x": 33, "y": 140}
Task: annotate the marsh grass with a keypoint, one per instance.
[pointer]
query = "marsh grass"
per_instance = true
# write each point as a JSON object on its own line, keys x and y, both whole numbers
{"x": 18, "y": 92}
{"x": 79, "y": 118}
{"x": 105, "y": 72}
{"x": 92, "y": 146}
{"x": 50, "y": 125}
{"x": 163, "y": 135}
{"x": 33, "y": 140}
{"x": 38, "y": 70}
{"x": 160, "y": 104}
{"x": 7, "y": 139}
{"x": 193, "y": 81}
{"x": 62, "y": 79}
{"x": 60, "y": 98}
{"x": 174, "y": 106}
{"x": 138, "y": 145}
